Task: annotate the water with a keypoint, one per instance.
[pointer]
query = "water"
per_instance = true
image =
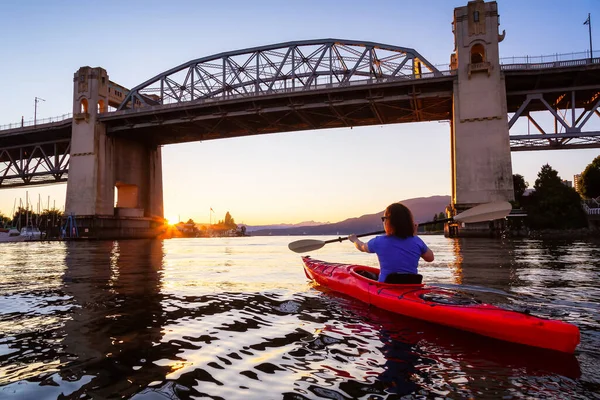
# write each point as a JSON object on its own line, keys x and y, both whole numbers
{"x": 235, "y": 318}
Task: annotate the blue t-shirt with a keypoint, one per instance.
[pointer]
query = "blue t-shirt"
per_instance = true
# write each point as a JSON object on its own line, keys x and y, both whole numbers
{"x": 396, "y": 254}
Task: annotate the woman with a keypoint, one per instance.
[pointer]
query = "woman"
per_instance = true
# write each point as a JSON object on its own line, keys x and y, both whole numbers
{"x": 399, "y": 249}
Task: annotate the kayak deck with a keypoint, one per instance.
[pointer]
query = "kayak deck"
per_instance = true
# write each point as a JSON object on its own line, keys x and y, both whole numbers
{"x": 444, "y": 307}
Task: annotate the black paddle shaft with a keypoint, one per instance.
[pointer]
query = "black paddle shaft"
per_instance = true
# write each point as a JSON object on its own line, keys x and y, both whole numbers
{"x": 341, "y": 239}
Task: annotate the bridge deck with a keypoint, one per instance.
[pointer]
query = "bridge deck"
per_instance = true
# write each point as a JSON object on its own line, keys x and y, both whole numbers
{"x": 357, "y": 103}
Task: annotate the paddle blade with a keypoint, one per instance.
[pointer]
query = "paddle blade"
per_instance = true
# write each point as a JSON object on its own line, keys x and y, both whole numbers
{"x": 305, "y": 245}
{"x": 485, "y": 212}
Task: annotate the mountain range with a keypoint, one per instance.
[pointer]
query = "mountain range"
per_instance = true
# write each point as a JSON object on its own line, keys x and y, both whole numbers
{"x": 423, "y": 210}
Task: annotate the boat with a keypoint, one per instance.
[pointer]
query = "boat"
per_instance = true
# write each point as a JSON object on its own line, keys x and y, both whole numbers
{"x": 11, "y": 235}
{"x": 442, "y": 306}
{"x": 26, "y": 234}
{"x": 31, "y": 233}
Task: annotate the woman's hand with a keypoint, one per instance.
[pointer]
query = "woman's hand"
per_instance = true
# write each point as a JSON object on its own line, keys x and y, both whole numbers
{"x": 358, "y": 244}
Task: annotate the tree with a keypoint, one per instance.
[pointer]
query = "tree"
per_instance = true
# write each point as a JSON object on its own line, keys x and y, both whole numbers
{"x": 590, "y": 179}
{"x": 435, "y": 227}
{"x": 23, "y": 217}
{"x": 519, "y": 186}
{"x": 431, "y": 227}
{"x": 51, "y": 217}
{"x": 4, "y": 220}
{"x": 439, "y": 226}
{"x": 222, "y": 227}
{"x": 554, "y": 205}
{"x": 547, "y": 180}
{"x": 229, "y": 222}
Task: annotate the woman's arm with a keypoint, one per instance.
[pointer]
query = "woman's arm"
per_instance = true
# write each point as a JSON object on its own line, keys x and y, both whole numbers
{"x": 358, "y": 244}
{"x": 427, "y": 256}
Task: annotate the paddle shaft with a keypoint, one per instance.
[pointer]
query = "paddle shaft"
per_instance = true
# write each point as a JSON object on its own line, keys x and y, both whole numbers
{"x": 341, "y": 239}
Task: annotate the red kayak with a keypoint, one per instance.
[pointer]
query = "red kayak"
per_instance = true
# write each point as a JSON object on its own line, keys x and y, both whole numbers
{"x": 443, "y": 307}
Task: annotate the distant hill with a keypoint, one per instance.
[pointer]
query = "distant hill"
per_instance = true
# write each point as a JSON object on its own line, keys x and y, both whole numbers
{"x": 253, "y": 228}
{"x": 423, "y": 209}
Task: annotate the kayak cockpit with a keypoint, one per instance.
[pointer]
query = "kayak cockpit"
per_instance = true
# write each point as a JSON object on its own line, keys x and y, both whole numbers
{"x": 372, "y": 274}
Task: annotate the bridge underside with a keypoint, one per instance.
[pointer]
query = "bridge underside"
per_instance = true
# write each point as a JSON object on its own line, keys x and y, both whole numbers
{"x": 569, "y": 95}
{"x": 554, "y": 84}
{"x": 35, "y": 155}
{"x": 397, "y": 102}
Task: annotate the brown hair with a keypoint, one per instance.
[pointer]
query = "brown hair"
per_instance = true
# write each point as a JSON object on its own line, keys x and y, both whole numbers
{"x": 401, "y": 220}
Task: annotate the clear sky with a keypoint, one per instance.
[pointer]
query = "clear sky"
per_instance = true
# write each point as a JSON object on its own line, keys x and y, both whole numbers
{"x": 324, "y": 175}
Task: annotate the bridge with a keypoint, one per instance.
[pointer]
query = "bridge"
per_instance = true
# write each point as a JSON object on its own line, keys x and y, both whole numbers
{"x": 112, "y": 139}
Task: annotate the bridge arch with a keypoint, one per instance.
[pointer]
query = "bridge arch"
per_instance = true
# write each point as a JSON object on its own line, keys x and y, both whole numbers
{"x": 288, "y": 67}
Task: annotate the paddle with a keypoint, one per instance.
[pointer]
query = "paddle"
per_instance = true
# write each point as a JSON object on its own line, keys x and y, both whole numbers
{"x": 480, "y": 213}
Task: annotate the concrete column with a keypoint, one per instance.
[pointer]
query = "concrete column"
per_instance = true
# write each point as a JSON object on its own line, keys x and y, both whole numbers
{"x": 481, "y": 159}
{"x": 90, "y": 189}
{"x": 100, "y": 163}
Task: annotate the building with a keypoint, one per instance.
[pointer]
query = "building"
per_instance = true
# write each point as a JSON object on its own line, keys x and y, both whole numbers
{"x": 576, "y": 183}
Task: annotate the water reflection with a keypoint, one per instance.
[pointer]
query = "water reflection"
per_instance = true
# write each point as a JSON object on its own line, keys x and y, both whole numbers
{"x": 479, "y": 261}
{"x": 408, "y": 356}
{"x": 236, "y": 319}
{"x": 117, "y": 289}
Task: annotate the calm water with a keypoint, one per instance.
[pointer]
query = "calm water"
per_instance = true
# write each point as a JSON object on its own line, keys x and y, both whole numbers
{"x": 235, "y": 318}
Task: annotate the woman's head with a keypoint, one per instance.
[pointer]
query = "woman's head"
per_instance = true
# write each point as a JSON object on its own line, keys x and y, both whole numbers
{"x": 398, "y": 221}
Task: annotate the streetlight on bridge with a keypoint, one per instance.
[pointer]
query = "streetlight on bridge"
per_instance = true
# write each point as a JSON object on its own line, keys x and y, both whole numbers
{"x": 35, "y": 110}
{"x": 588, "y": 22}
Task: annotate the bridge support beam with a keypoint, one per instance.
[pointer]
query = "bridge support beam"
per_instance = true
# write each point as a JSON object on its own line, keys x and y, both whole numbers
{"x": 100, "y": 164}
{"x": 481, "y": 160}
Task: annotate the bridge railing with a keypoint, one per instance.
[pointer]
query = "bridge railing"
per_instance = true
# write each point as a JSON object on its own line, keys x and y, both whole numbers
{"x": 591, "y": 207}
{"x": 556, "y": 60}
{"x": 549, "y": 58}
{"x": 37, "y": 122}
{"x": 550, "y": 64}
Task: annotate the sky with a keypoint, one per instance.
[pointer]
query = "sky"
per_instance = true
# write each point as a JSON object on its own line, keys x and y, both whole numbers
{"x": 323, "y": 175}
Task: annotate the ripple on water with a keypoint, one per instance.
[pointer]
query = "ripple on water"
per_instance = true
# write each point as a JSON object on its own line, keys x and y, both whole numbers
{"x": 228, "y": 318}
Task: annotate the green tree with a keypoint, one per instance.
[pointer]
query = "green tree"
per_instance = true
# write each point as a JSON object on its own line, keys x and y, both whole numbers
{"x": 590, "y": 179}
{"x": 554, "y": 205}
{"x": 519, "y": 186}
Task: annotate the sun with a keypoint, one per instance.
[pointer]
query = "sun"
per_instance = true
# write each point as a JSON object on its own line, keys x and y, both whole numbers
{"x": 172, "y": 220}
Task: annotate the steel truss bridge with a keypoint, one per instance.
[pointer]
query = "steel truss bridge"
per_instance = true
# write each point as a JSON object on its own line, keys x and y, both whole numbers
{"x": 307, "y": 85}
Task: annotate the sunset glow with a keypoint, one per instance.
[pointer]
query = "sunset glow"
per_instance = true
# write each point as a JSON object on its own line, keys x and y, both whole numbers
{"x": 321, "y": 175}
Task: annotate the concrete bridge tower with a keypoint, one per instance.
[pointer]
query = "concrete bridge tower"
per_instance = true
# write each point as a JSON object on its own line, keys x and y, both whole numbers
{"x": 100, "y": 164}
{"x": 480, "y": 147}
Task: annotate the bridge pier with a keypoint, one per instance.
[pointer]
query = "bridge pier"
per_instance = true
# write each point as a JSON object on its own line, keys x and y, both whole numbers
{"x": 100, "y": 165}
{"x": 480, "y": 147}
